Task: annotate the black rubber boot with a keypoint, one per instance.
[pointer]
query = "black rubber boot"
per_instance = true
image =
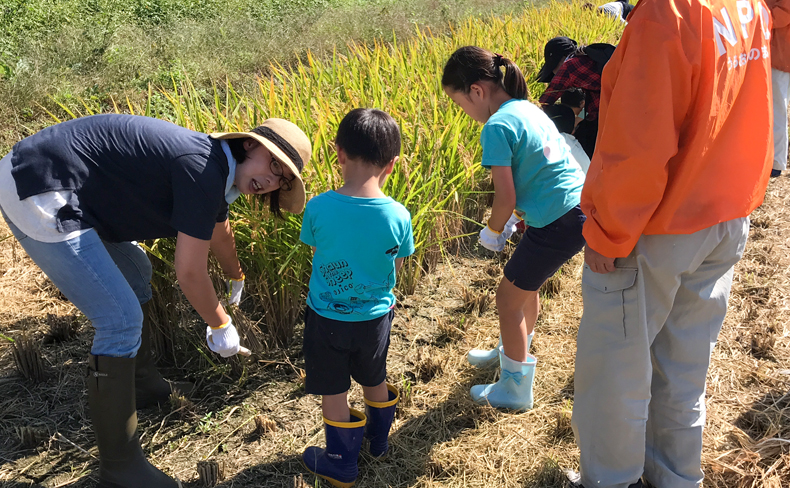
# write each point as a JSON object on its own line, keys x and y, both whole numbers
{"x": 122, "y": 463}
{"x": 150, "y": 387}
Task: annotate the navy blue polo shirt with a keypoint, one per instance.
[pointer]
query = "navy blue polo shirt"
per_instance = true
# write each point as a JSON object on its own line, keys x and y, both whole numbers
{"x": 132, "y": 178}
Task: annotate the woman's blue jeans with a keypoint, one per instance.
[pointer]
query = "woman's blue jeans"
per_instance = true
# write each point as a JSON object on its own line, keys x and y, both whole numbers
{"x": 107, "y": 281}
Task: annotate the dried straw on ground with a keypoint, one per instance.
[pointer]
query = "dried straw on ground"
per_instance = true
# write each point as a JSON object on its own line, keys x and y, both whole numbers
{"x": 440, "y": 438}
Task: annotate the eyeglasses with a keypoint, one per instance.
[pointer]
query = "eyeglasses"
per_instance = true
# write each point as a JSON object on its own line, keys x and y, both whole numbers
{"x": 277, "y": 170}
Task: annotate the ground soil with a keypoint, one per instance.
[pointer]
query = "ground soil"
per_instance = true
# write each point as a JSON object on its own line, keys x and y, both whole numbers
{"x": 440, "y": 437}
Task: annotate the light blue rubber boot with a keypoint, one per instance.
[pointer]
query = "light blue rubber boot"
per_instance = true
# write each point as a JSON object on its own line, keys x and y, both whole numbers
{"x": 488, "y": 358}
{"x": 514, "y": 388}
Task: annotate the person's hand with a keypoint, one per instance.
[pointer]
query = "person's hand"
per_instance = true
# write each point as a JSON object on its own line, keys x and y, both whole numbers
{"x": 223, "y": 340}
{"x": 491, "y": 239}
{"x": 510, "y": 226}
{"x": 597, "y": 262}
{"x": 234, "y": 289}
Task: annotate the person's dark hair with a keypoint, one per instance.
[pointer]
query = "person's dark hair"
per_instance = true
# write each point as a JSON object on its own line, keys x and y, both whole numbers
{"x": 240, "y": 155}
{"x": 562, "y": 116}
{"x": 573, "y": 97}
{"x": 370, "y": 135}
{"x": 471, "y": 64}
{"x": 237, "y": 149}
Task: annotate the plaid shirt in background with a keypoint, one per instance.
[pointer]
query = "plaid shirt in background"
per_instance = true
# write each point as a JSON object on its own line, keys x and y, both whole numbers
{"x": 576, "y": 72}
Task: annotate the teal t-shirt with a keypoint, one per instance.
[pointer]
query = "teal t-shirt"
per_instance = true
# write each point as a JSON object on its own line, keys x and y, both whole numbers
{"x": 357, "y": 241}
{"x": 522, "y": 136}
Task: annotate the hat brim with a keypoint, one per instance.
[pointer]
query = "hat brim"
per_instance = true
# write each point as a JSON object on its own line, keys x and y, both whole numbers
{"x": 546, "y": 73}
{"x": 292, "y": 200}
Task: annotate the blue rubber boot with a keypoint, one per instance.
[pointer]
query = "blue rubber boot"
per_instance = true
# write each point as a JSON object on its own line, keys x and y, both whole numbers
{"x": 488, "y": 358}
{"x": 484, "y": 358}
{"x": 338, "y": 462}
{"x": 514, "y": 388}
{"x": 380, "y": 416}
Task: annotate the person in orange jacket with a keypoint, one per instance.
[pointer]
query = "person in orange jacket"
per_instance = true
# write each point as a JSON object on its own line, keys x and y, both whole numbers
{"x": 667, "y": 219}
{"x": 780, "y": 75}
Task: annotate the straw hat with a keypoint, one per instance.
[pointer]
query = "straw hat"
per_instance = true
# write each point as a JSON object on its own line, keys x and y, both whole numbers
{"x": 288, "y": 145}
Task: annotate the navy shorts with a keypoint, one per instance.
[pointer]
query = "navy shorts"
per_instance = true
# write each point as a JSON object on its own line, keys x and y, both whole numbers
{"x": 543, "y": 250}
{"x": 335, "y": 351}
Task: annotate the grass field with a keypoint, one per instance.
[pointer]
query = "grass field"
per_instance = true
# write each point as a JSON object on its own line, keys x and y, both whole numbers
{"x": 440, "y": 437}
{"x": 65, "y": 50}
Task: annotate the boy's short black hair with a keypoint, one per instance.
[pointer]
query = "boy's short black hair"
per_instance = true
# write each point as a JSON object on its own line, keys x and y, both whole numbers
{"x": 562, "y": 116}
{"x": 369, "y": 134}
{"x": 572, "y": 97}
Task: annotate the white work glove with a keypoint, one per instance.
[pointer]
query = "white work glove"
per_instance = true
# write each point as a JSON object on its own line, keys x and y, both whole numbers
{"x": 510, "y": 227}
{"x": 491, "y": 239}
{"x": 223, "y": 340}
{"x": 234, "y": 288}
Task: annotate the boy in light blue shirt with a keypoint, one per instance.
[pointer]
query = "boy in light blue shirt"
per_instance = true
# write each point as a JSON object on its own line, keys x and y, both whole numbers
{"x": 359, "y": 238}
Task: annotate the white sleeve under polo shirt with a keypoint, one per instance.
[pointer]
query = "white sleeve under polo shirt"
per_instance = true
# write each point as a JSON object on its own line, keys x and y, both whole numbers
{"x": 34, "y": 216}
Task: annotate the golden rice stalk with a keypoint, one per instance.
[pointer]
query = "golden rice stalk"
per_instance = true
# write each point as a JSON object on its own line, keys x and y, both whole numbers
{"x": 427, "y": 365}
{"x": 210, "y": 472}
{"x": 263, "y": 425}
{"x": 252, "y": 337}
{"x": 30, "y": 436}
{"x": 181, "y": 405}
{"x": 61, "y": 329}
{"x": 475, "y": 302}
{"x": 27, "y": 358}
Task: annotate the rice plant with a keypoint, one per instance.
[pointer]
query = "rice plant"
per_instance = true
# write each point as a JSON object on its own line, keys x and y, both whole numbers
{"x": 438, "y": 178}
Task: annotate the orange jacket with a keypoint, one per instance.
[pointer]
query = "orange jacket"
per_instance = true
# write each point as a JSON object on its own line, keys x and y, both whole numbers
{"x": 685, "y": 133}
{"x": 780, "y": 38}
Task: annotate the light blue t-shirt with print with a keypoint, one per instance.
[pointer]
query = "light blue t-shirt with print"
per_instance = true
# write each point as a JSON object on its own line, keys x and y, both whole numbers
{"x": 357, "y": 241}
{"x": 522, "y": 136}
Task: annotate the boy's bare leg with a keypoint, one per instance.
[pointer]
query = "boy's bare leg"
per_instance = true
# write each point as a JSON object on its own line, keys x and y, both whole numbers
{"x": 378, "y": 393}
{"x": 518, "y": 312}
{"x": 335, "y": 407}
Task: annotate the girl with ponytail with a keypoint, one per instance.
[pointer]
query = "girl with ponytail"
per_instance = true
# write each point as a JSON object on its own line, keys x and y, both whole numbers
{"x": 536, "y": 180}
